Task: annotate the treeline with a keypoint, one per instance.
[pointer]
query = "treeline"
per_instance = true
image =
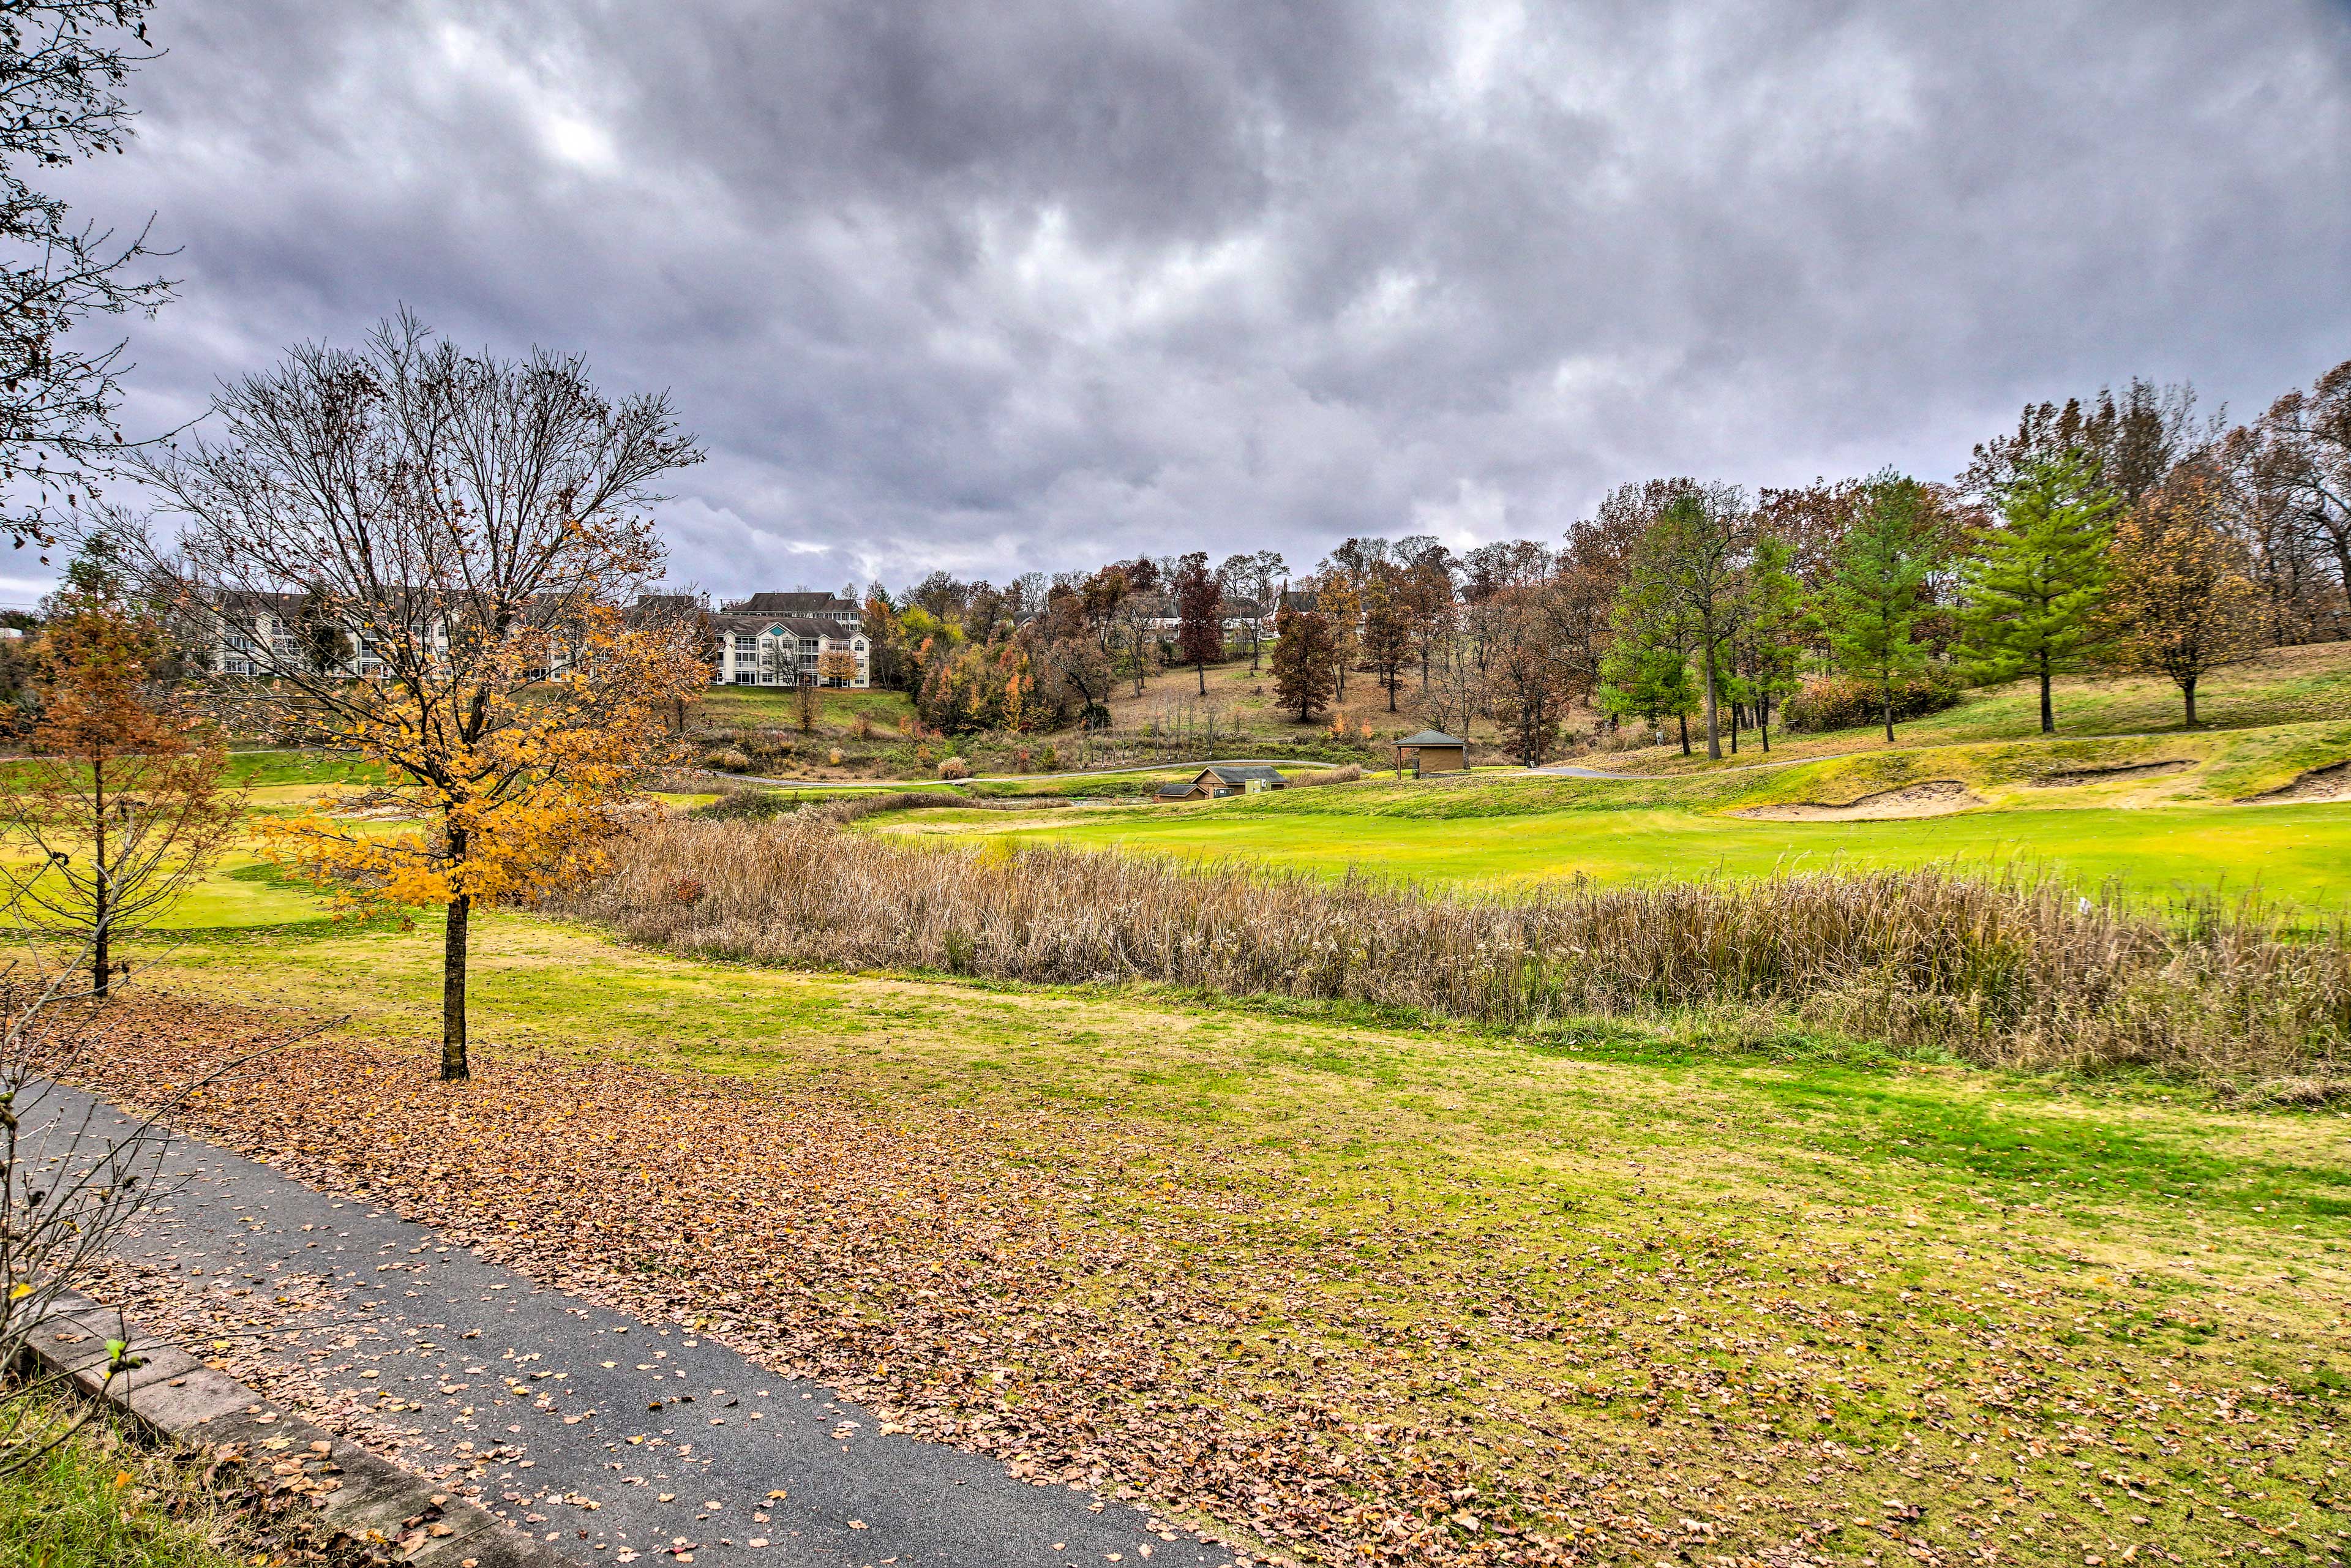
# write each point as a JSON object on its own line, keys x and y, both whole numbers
{"x": 2120, "y": 534}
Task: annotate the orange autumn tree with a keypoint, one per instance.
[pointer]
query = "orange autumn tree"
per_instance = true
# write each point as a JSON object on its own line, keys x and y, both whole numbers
{"x": 119, "y": 797}
{"x": 427, "y": 558}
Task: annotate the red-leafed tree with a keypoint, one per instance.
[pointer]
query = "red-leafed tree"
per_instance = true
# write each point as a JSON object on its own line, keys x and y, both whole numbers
{"x": 1199, "y": 615}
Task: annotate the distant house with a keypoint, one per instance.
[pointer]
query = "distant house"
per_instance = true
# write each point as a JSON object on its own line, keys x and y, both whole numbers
{"x": 1222, "y": 781}
{"x": 1432, "y": 751}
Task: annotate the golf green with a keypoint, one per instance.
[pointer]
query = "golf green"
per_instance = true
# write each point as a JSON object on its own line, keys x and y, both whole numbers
{"x": 2293, "y": 851}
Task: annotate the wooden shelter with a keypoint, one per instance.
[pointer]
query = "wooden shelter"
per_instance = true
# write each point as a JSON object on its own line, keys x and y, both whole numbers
{"x": 1432, "y": 751}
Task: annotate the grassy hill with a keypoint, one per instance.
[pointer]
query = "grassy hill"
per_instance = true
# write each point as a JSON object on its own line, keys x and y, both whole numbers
{"x": 2284, "y": 686}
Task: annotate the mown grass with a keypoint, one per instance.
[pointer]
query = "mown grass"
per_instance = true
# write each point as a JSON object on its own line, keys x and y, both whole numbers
{"x": 1592, "y": 1208}
{"x": 2290, "y": 851}
{"x": 2157, "y": 835}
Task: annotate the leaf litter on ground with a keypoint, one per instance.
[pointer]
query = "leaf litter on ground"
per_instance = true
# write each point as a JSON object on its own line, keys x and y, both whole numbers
{"x": 1445, "y": 1380}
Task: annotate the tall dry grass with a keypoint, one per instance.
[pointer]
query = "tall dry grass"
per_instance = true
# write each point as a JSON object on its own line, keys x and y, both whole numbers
{"x": 2009, "y": 971}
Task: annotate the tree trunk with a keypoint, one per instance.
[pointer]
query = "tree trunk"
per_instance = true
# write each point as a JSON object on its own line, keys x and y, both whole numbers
{"x": 2048, "y": 711}
{"x": 1713, "y": 720}
{"x": 102, "y": 910}
{"x": 2188, "y": 692}
{"x": 454, "y": 1067}
{"x": 1763, "y": 723}
{"x": 1685, "y": 724}
{"x": 1202, "y": 671}
{"x": 1886, "y": 712}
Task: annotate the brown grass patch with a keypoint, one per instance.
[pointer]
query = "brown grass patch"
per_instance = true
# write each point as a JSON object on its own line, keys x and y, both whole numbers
{"x": 2001, "y": 970}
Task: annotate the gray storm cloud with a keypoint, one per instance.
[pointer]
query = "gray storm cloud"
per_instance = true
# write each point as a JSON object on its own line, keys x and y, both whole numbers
{"x": 1001, "y": 285}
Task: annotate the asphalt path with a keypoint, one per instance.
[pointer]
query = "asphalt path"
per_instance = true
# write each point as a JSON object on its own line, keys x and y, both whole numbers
{"x": 552, "y": 1403}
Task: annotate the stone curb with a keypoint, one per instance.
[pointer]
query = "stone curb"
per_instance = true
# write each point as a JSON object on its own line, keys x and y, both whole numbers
{"x": 363, "y": 1500}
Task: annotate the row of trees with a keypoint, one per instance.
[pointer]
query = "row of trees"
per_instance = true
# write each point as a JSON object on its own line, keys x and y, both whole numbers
{"x": 2117, "y": 534}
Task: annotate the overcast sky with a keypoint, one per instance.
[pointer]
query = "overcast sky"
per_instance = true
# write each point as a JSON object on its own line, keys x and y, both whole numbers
{"x": 1009, "y": 284}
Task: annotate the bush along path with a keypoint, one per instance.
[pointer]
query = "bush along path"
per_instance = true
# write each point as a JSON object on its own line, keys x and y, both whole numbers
{"x": 610, "y": 1437}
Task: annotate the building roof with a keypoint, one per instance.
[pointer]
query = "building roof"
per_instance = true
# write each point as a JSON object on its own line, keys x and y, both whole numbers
{"x": 1243, "y": 775}
{"x": 798, "y": 625}
{"x": 794, "y": 604}
{"x": 1176, "y": 792}
{"x": 1430, "y": 737}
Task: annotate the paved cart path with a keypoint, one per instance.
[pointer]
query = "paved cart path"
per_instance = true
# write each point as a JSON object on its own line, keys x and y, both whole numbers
{"x": 543, "y": 1398}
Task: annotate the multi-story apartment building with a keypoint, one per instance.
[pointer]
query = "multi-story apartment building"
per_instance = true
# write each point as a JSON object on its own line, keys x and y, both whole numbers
{"x": 761, "y": 650}
{"x": 767, "y": 640}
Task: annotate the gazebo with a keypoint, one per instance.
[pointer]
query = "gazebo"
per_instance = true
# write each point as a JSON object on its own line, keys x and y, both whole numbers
{"x": 1432, "y": 751}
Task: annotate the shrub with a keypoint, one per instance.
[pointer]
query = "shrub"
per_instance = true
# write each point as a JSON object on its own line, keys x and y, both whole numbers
{"x": 1844, "y": 702}
{"x": 955, "y": 767}
{"x": 1050, "y": 760}
{"x": 749, "y": 806}
{"x": 1347, "y": 773}
{"x": 730, "y": 759}
{"x": 2013, "y": 971}
{"x": 833, "y": 757}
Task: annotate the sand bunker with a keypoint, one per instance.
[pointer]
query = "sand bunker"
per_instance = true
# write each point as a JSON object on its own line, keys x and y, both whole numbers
{"x": 1935, "y": 798}
{"x": 2329, "y": 783}
{"x": 2100, "y": 775}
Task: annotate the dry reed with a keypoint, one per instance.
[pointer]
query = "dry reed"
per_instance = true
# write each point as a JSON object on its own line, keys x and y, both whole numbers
{"x": 2015, "y": 970}
{"x": 1345, "y": 773}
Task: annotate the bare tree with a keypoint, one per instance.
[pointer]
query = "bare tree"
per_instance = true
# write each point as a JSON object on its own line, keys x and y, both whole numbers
{"x": 1255, "y": 578}
{"x": 2308, "y": 440}
{"x": 61, "y": 65}
{"x": 470, "y": 530}
{"x": 1454, "y": 694}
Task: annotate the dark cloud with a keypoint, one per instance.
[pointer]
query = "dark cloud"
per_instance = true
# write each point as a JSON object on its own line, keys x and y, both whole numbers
{"x": 998, "y": 284}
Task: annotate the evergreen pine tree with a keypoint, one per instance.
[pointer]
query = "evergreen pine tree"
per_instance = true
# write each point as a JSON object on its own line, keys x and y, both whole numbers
{"x": 2030, "y": 598}
{"x": 1876, "y": 592}
{"x": 1647, "y": 668}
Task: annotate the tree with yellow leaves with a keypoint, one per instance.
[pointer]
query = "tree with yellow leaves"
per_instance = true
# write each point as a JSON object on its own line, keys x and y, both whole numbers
{"x": 429, "y": 559}
{"x": 119, "y": 797}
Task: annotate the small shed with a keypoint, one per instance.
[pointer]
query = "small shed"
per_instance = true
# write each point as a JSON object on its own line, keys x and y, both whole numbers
{"x": 1432, "y": 751}
{"x": 1224, "y": 780}
{"x": 1181, "y": 789}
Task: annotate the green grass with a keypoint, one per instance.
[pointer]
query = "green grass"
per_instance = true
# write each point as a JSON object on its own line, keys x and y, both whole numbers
{"x": 265, "y": 767}
{"x": 1625, "y": 1190}
{"x": 102, "y": 1500}
{"x": 768, "y": 707}
{"x": 244, "y": 892}
{"x": 2158, "y": 834}
{"x": 2284, "y": 685}
{"x": 2293, "y": 852}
